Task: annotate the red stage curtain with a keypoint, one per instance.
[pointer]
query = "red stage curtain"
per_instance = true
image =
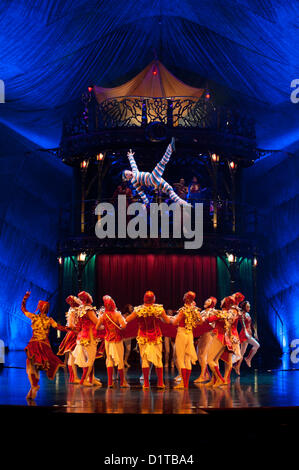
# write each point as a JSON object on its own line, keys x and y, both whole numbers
{"x": 127, "y": 277}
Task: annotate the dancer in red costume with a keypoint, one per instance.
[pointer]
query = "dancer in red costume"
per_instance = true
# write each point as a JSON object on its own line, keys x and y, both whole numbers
{"x": 225, "y": 343}
{"x": 113, "y": 322}
{"x": 149, "y": 336}
{"x": 86, "y": 347}
{"x": 205, "y": 339}
{"x": 246, "y": 336}
{"x": 39, "y": 353}
{"x": 68, "y": 344}
{"x": 187, "y": 318}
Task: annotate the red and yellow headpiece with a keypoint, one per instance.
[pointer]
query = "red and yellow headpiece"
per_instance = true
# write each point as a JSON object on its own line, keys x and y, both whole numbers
{"x": 85, "y": 297}
{"x": 149, "y": 297}
{"x": 109, "y": 303}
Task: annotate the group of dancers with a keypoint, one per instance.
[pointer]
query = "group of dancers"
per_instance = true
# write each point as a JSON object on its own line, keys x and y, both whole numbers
{"x": 93, "y": 333}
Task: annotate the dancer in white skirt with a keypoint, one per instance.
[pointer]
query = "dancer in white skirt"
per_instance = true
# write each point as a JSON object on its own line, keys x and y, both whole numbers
{"x": 205, "y": 339}
{"x": 113, "y": 322}
{"x": 86, "y": 348}
{"x": 149, "y": 336}
{"x": 188, "y": 317}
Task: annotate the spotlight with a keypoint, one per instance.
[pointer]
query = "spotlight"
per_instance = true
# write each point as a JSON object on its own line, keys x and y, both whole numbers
{"x": 155, "y": 71}
{"x": 207, "y": 95}
{"x": 90, "y": 88}
{"x": 254, "y": 262}
{"x": 59, "y": 260}
{"x": 232, "y": 165}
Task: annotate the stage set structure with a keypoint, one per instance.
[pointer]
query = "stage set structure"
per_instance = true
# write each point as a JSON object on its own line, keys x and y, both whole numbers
{"x": 214, "y": 142}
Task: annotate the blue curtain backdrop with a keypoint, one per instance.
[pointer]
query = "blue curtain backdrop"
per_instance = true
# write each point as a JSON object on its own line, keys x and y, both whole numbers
{"x": 246, "y": 51}
{"x": 272, "y": 186}
{"x": 33, "y": 186}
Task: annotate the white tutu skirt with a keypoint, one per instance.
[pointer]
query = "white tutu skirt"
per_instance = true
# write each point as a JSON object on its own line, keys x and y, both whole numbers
{"x": 152, "y": 353}
{"x": 85, "y": 355}
{"x": 114, "y": 354}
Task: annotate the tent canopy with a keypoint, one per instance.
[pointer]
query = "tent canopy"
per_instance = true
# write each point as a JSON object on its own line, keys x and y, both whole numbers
{"x": 153, "y": 81}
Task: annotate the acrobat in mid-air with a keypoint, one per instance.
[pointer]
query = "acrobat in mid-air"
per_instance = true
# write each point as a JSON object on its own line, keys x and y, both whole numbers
{"x": 141, "y": 179}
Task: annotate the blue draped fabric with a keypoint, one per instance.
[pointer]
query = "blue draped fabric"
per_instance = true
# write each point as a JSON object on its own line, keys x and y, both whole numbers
{"x": 272, "y": 185}
{"x": 33, "y": 187}
{"x": 246, "y": 52}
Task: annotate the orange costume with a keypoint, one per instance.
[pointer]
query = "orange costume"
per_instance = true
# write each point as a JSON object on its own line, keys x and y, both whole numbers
{"x": 187, "y": 318}
{"x": 149, "y": 336}
{"x": 39, "y": 352}
{"x": 113, "y": 321}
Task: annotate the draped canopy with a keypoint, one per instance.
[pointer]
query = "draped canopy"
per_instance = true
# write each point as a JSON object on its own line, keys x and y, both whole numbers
{"x": 153, "y": 81}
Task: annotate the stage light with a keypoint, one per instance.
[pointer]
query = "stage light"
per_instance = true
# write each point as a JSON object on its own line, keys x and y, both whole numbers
{"x": 81, "y": 257}
{"x": 231, "y": 258}
{"x": 207, "y": 95}
{"x": 254, "y": 261}
{"x": 84, "y": 164}
{"x": 100, "y": 157}
{"x": 90, "y": 88}
{"x": 232, "y": 165}
{"x": 155, "y": 71}
{"x": 60, "y": 260}
{"x": 215, "y": 158}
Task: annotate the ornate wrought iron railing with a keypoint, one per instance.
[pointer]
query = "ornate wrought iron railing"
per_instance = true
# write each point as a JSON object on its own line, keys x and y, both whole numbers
{"x": 183, "y": 111}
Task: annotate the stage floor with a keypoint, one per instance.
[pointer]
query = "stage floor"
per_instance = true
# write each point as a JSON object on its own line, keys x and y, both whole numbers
{"x": 254, "y": 389}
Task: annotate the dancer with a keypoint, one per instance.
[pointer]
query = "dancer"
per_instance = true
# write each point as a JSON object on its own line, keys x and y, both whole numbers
{"x": 224, "y": 344}
{"x": 154, "y": 179}
{"x": 68, "y": 344}
{"x": 205, "y": 339}
{"x": 149, "y": 336}
{"x": 86, "y": 347}
{"x": 246, "y": 336}
{"x": 113, "y": 321}
{"x": 128, "y": 309}
{"x": 187, "y": 318}
{"x": 169, "y": 346}
{"x": 39, "y": 353}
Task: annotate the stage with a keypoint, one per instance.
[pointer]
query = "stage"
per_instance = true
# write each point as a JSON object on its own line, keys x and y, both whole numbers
{"x": 266, "y": 388}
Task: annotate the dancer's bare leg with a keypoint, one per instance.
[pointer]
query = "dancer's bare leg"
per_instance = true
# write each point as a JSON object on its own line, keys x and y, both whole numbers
{"x": 215, "y": 352}
{"x": 202, "y": 353}
{"x": 237, "y": 366}
{"x": 255, "y": 346}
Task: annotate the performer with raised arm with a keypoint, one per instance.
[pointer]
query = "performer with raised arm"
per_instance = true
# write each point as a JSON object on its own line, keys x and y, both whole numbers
{"x": 68, "y": 344}
{"x": 113, "y": 322}
{"x": 86, "y": 347}
{"x": 140, "y": 179}
{"x": 149, "y": 336}
{"x": 205, "y": 339}
{"x": 246, "y": 336}
{"x": 187, "y": 318}
{"x": 39, "y": 353}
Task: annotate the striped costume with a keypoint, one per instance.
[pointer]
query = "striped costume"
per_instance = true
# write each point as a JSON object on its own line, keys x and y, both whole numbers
{"x": 153, "y": 179}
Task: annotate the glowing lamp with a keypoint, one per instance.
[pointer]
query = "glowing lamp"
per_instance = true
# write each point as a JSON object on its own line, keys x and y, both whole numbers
{"x": 215, "y": 158}
{"x": 231, "y": 258}
{"x": 255, "y": 261}
{"x": 84, "y": 164}
{"x": 155, "y": 71}
{"x": 90, "y": 89}
{"x": 100, "y": 157}
{"x": 208, "y": 95}
{"x": 232, "y": 165}
{"x": 81, "y": 257}
{"x": 60, "y": 260}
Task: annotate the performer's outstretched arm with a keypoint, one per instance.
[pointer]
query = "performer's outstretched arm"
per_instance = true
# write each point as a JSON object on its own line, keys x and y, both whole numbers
{"x": 57, "y": 326}
{"x": 176, "y": 320}
{"x": 165, "y": 317}
{"x": 132, "y": 161}
{"x": 131, "y": 317}
{"x": 23, "y": 306}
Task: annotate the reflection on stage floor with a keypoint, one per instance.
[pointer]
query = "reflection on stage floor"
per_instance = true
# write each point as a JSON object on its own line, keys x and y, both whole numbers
{"x": 277, "y": 388}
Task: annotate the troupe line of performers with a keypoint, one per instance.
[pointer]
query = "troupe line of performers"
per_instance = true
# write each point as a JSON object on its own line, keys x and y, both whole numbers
{"x": 93, "y": 333}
